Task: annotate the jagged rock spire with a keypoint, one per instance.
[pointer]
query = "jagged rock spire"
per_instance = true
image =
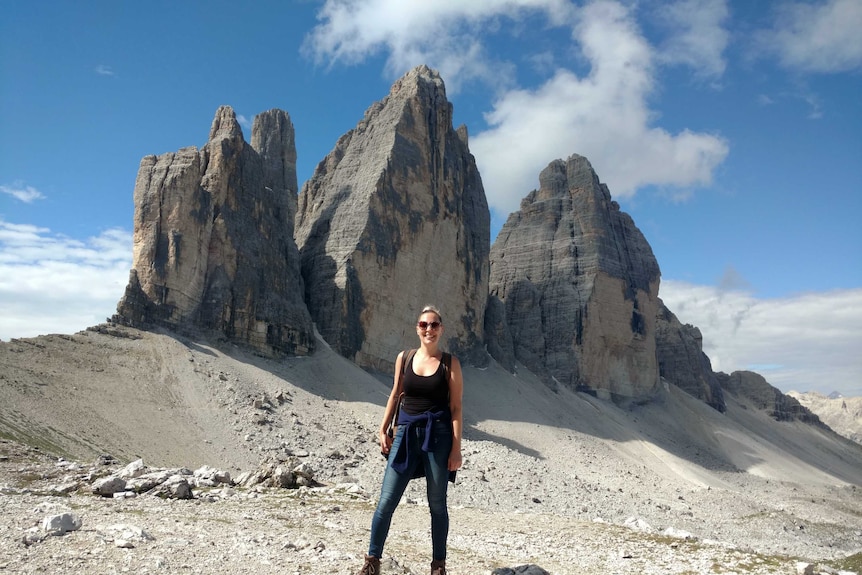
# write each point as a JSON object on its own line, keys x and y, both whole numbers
{"x": 213, "y": 247}
{"x": 579, "y": 284}
{"x": 393, "y": 218}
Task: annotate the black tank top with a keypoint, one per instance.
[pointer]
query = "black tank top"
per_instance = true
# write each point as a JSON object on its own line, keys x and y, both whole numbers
{"x": 425, "y": 393}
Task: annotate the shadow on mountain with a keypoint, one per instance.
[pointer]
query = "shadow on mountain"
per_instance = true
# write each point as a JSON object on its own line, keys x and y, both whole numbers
{"x": 171, "y": 397}
{"x": 519, "y": 412}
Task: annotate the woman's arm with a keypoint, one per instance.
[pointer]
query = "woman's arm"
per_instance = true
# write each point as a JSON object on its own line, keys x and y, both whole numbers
{"x": 389, "y": 412}
{"x": 456, "y": 391}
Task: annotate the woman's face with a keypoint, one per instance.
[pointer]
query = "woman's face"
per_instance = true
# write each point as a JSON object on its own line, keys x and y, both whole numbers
{"x": 429, "y": 327}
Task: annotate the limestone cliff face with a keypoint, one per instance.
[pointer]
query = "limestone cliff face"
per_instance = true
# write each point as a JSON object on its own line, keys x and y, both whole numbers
{"x": 681, "y": 360}
{"x": 393, "y": 218}
{"x": 213, "y": 245}
{"x": 753, "y": 388}
{"x": 580, "y": 286}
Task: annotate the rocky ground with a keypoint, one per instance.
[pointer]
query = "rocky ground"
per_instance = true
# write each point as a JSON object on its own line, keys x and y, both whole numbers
{"x": 322, "y": 530}
{"x": 568, "y": 483}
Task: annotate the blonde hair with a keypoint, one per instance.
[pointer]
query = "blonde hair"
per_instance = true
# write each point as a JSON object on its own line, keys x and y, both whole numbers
{"x": 431, "y": 309}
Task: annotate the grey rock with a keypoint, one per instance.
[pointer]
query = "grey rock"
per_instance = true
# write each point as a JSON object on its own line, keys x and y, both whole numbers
{"x": 107, "y": 486}
{"x": 156, "y": 477}
{"x": 579, "y": 283}
{"x": 134, "y": 469}
{"x": 207, "y": 476}
{"x": 65, "y": 488}
{"x": 207, "y": 225}
{"x": 679, "y": 349}
{"x": 753, "y": 387}
{"x": 393, "y": 218}
{"x": 274, "y": 472}
{"x": 61, "y": 523}
{"x": 498, "y": 338}
{"x": 175, "y": 487}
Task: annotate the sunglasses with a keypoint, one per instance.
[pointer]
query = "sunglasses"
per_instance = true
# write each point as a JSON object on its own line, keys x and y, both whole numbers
{"x": 428, "y": 324}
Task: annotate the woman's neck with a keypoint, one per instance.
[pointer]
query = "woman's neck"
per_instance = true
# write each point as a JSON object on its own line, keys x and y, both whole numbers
{"x": 429, "y": 350}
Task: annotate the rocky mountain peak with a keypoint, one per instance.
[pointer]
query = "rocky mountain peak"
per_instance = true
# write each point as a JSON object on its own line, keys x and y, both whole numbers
{"x": 752, "y": 388}
{"x": 213, "y": 248}
{"x": 225, "y": 125}
{"x": 273, "y": 137}
{"x": 393, "y": 218}
{"x": 419, "y": 78}
{"x": 579, "y": 284}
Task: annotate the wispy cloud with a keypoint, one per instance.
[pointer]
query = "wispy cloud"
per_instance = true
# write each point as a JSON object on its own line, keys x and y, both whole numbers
{"x": 808, "y": 342}
{"x": 53, "y": 284}
{"x": 603, "y": 115}
{"x": 697, "y": 35}
{"x": 446, "y": 35}
{"x": 243, "y": 121}
{"x": 23, "y": 193}
{"x": 765, "y": 100}
{"x": 816, "y": 36}
{"x": 103, "y": 70}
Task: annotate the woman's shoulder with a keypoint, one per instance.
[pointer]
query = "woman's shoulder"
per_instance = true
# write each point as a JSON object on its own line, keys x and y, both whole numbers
{"x": 450, "y": 361}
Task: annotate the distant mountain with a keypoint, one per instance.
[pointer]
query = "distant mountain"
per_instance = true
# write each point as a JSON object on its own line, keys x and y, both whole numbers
{"x": 842, "y": 414}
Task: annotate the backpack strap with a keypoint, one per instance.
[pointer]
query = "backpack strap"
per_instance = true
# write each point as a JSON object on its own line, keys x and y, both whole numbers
{"x": 406, "y": 357}
{"x": 447, "y": 365}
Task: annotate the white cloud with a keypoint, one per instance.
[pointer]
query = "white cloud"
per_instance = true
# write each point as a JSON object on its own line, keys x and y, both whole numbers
{"x": 19, "y": 191}
{"x": 816, "y": 37}
{"x": 445, "y": 34}
{"x": 808, "y": 342}
{"x": 54, "y": 284}
{"x": 243, "y": 121}
{"x": 698, "y": 36}
{"x": 603, "y": 116}
{"x": 103, "y": 70}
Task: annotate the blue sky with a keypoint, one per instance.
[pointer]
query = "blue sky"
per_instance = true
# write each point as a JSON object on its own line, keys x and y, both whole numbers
{"x": 730, "y": 130}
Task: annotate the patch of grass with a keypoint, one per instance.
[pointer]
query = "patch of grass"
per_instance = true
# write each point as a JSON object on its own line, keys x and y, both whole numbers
{"x": 32, "y": 437}
{"x": 850, "y": 563}
{"x": 759, "y": 560}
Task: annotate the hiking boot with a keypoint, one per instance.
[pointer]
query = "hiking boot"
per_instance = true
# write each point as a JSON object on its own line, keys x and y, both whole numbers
{"x": 438, "y": 567}
{"x": 371, "y": 567}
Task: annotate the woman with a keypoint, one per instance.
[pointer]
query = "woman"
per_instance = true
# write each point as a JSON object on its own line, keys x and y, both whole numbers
{"x": 428, "y": 438}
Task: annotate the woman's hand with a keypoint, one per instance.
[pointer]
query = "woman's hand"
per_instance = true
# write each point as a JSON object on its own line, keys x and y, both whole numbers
{"x": 455, "y": 459}
{"x": 385, "y": 442}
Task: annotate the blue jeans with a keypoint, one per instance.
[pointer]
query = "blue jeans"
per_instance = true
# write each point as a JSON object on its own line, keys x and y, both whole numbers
{"x": 436, "y": 464}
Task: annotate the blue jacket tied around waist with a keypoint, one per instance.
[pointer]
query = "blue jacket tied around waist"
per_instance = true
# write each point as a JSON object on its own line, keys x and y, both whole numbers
{"x": 403, "y": 456}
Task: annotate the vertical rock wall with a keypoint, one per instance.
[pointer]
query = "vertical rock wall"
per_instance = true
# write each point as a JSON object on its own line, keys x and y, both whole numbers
{"x": 681, "y": 360}
{"x": 393, "y": 218}
{"x": 580, "y": 286}
{"x": 753, "y": 388}
{"x": 213, "y": 246}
